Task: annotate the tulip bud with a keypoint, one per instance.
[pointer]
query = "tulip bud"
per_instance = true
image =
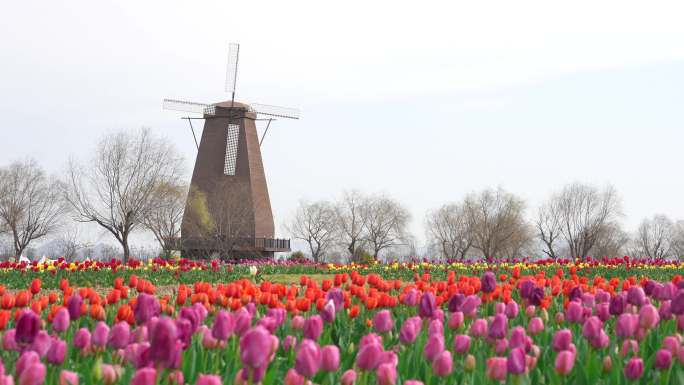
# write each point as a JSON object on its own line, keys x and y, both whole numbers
{"x": 67, "y": 377}
{"x": 442, "y": 364}
{"x": 348, "y": 378}
{"x": 469, "y": 363}
{"x": 634, "y": 368}
{"x": 607, "y": 364}
{"x": 565, "y": 361}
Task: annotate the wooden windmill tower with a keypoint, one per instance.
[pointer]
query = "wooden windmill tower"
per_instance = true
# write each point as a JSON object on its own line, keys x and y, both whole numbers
{"x": 228, "y": 180}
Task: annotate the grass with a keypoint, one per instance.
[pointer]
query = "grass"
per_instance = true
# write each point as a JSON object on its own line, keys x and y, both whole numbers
{"x": 288, "y": 279}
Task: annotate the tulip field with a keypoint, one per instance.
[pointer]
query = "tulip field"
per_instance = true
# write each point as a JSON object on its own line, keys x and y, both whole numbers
{"x": 590, "y": 321}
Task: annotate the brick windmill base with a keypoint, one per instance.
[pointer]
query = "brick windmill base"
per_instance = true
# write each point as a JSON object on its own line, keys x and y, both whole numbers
{"x": 228, "y": 212}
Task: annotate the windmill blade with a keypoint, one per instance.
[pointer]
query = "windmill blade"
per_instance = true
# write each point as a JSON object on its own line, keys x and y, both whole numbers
{"x": 186, "y": 106}
{"x": 231, "y": 149}
{"x": 231, "y": 69}
{"x": 277, "y": 111}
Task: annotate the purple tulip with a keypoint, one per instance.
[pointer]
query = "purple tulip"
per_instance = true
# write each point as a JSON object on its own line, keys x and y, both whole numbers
{"x": 308, "y": 360}
{"x": 515, "y": 364}
{"x": 193, "y": 316}
{"x": 626, "y": 325}
{"x": 488, "y": 282}
{"x": 74, "y": 304}
{"x": 328, "y": 313}
{"x": 330, "y": 358}
{"x": 337, "y": 296}
{"x": 120, "y": 335}
{"x": 184, "y": 331}
{"x": 499, "y": 327}
{"x": 636, "y": 296}
{"x": 146, "y": 307}
{"x": 313, "y": 327}
{"x": 57, "y": 352}
{"x": 677, "y": 304}
{"x": 255, "y": 347}
{"x": 470, "y": 305}
{"x": 428, "y": 305}
{"x": 163, "y": 337}
{"x": 382, "y": 321}
{"x": 408, "y": 332}
{"x": 617, "y": 305}
{"x": 27, "y": 328}
{"x": 664, "y": 311}
{"x": 536, "y": 296}
{"x": 562, "y": 340}
{"x": 243, "y": 321}
{"x": 455, "y": 302}
{"x": 443, "y": 364}
{"x": 368, "y": 356}
{"x": 223, "y": 326}
{"x": 82, "y": 338}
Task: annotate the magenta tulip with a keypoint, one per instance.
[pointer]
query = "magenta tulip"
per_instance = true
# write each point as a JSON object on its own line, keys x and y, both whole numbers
{"x": 428, "y": 305}
{"x": 648, "y": 317}
{"x": 496, "y": 368}
{"x": 313, "y": 327}
{"x": 61, "y": 320}
{"x": 330, "y": 358}
{"x": 565, "y": 361}
{"x": 82, "y": 338}
{"x": 255, "y": 347}
{"x": 223, "y": 326}
{"x": 386, "y": 374}
{"x": 308, "y": 360}
{"x": 433, "y": 346}
{"x": 209, "y": 379}
{"x": 562, "y": 340}
{"x": 348, "y": 377}
{"x": 34, "y": 374}
{"x": 461, "y": 344}
{"x": 382, "y": 321}
{"x": 57, "y": 352}
{"x": 144, "y": 376}
{"x": 634, "y": 368}
{"x": 516, "y": 362}
{"x": 163, "y": 337}
{"x": 663, "y": 359}
{"x": 535, "y": 326}
{"x": 442, "y": 364}
{"x": 120, "y": 335}
{"x": 67, "y": 377}
{"x": 368, "y": 356}
{"x": 100, "y": 335}
{"x": 28, "y": 326}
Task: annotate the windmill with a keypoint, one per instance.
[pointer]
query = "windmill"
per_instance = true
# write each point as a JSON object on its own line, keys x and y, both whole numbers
{"x": 229, "y": 174}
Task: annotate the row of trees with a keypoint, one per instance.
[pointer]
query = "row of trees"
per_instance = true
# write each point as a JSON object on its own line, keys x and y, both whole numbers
{"x": 579, "y": 220}
{"x": 132, "y": 181}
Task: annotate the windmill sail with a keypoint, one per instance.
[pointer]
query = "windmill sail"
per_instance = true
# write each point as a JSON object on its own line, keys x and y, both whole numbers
{"x": 186, "y": 106}
{"x": 231, "y": 69}
{"x": 277, "y": 111}
{"x": 231, "y": 149}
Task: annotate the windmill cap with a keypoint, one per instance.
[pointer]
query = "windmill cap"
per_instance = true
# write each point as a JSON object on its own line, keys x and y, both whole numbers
{"x": 229, "y": 104}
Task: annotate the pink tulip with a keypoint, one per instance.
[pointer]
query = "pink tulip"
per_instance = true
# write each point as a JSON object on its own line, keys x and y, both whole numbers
{"x": 461, "y": 344}
{"x": 67, "y": 377}
{"x": 368, "y": 356}
{"x": 629, "y": 346}
{"x": 607, "y": 364}
{"x": 120, "y": 335}
{"x": 176, "y": 378}
{"x": 561, "y": 340}
{"x": 413, "y": 382}
{"x": 574, "y": 312}
{"x": 313, "y": 327}
{"x": 648, "y": 317}
{"x": 478, "y": 328}
{"x": 498, "y": 328}
{"x": 516, "y": 361}
{"x": 110, "y": 373}
{"x": 663, "y": 359}
{"x": 386, "y": 374}
{"x": 518, "y": 338}
{"x": 634, "y": 368}
{"x": 209, "y": 379}
{"x": 34, "y": 374}
{"x": 297, "y": 322}
{"x": 289, "y": 343}
{"x": 223, "y": 326}
{"x": 496, "y": 368}
{"x": 243, "y": 321}
{"x": 294, "y": 378}
{"x": 433, "y": 346}
{"x": 442, "y": 364}
{"x": 565, "y": 361}
{"x": 26, "y": 360}
{"x": 500, "y": 346}
{"x": 330, "y": 358}
{"x": 348, "y": 377}
{"x": 61, "y": 320}
{"x": 370, "y": 338}
{"x": 328, "y": 313}
{"x": 435, "y": 326}
{"x": 8, "y": 340}
{"x": 382, "y": 321}
{"x": 626, "y": 325}
{"x": 408, "y": 332}
{"x": 57, "y": 352}
{"x": 41, "y": 343}
{"x": 208, "y": 340}
{"x": 82, "y": 339}
{"x": 512, "y": 309}
{"x": 144, "y": 376}
{"x": 255, "y": 347}
{"x": 308, "y": 360}
{"x": 535, "y": 326}
{"x": 455, "y": 320}
{"x": 470, "y": 305}
{"x": 672, "y": 344}
{"x": 100, "y": 335}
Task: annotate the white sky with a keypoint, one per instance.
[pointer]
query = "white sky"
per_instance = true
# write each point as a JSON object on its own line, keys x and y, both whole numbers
{"x": 425, "y": 101}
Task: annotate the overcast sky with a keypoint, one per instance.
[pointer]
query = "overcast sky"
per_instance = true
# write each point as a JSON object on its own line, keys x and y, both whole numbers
{"x": 425, "y": 101}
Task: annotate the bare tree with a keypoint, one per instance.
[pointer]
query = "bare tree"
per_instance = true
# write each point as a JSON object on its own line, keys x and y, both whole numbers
{"x": 317, "y": 224}
{"x": 497, "y": 221}
{"x": 654, "y": 237}
{"x": 68, "y": 244}
{"x": 386, "y": 223}
{"x": 448, "y": 228}
{"x": 31, "y": 205}
{"x": 351, "y": 221}
{"x": 611, "y": 241}
{"x": 549, "y": 227}
{"x": 233, "y": 220}
{"x": 585, "y": 211}
{"x": 164, "y": 219}
{"x": 116, "y": 189}
{"x": 677, "y": 241}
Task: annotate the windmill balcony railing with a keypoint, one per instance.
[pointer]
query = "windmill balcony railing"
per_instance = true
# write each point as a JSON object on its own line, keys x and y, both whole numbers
{"x": 257, "y": 243}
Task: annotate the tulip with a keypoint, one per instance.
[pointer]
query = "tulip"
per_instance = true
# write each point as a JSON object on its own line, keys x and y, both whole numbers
{"x": 120, "y": 335}
{"x": 455, "y": 320}
{"x": 565, "y": 361}
{"x": 677, "y": 303}
{"x": 607, "y": 364}
{"x": 82, "y": 338}
{"x": 499, "y": 308}
{"x": 144, "y": 376}
{"x": 308, "y": 360}
{"x": 370, "y": 338}
{"x": 413, "y": 382}
{"x": 562, "y": 340}
{"x": 57, "y": 352}
{"x": 470, "y": 305}
{"x": 243, "y": 321}
{"x": 34, "y": 374}
{"x": 478, "y": 328}
{"x": 411, "y": 297}
{"x": 223, "y": 326}
{"x": 382, "y": 321}
{"x": 328, "y": 312}
{"x": 294, "y": 378}
{"x": 602, "y": 311}
{"x": 41, "y": 344}
{"x": 461, "y": 344}
{"x": 574, "y": 312}
{"x": 433, "y": 346}
{"x": 408, "y": 332}
{"x": 536, "y": 296}
{"x": 488, "y": 282}
{"x": 469, "y": 363}
{"x": 636, "y": 296}
{"x": 386, "y": 374}
{"x": 497, "y": 368}
{"x": 368, "y": 356}
{"x": 512, "y": 310}
{"x": 535, "y": 326}
{"x": 515, "y": 364}
{"x": 61, "y": 320}
{"x": 67, "y": 377}
{"x": 648, "y": 317}
{"x": 455, "y": 302}
{"x": 313, "y": 327}
{"x": 442, "y": 364}
{"x": 28, "y": 326}
{"x": 163, "y": 337}
{"x": 348, "y": 377}
{"x": 208, "y": 340}
{"x": 428, "y": 305}
{"x": 592, "y": 328}
{"x": 255, "y": 347}
{"x": 629, "y": 346}
{"x": 297, "y": 322}
{"x": 8, "y": 340}
{"x": 26, "y": 359}
{"x": 330, "y": 358}
{"x": 176, "y": 378}
{"x": 663, "y": 359}
{"x": 664, "y": 311}
{"x": 146, "y": 307}
{"x": 110, "y": 373}
{"x": 626, "y": 325}
{"x": 74, "y": 304}
{"x": 100, "y": 334}
{"x": 289, "y": 343}
{"x": 634, "y": 368}
{"x": 209, "y": 379}
{"x": 672, "y": 344}
{"x": 499, "y": 327}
